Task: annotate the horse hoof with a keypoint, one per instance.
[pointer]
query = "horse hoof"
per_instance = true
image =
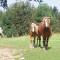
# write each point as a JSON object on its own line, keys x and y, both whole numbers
{"x": 46, "y": 48}
{"x": 31, "y": 46}
{"x": 39, "y": 45}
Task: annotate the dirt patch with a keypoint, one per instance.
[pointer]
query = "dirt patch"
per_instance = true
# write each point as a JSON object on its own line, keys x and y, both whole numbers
{"x": 11, "y": 54}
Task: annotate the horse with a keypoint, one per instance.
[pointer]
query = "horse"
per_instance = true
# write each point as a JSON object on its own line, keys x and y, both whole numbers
{"x": 33, "y": 33}
{"x": 44, "y": 30}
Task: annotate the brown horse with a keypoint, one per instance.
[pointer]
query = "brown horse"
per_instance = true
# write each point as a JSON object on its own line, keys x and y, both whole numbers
{"x": 44, "y": 30}
{"x": 33, "y": 33}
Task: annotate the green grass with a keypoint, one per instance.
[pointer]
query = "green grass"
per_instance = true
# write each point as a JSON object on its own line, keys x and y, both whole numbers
{"x": 53, "y": 53}
{"x": 15, "y": 42}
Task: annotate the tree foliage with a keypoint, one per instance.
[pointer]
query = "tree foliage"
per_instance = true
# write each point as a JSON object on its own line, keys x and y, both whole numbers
{"x": 17, "y": 18}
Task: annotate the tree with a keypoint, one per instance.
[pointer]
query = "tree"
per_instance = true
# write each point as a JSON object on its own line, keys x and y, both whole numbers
{"x": 37, "y": 0}
{"x": 17, "y": 19}
{"x": 41, "y": 11}
{"x": 3, "y": 3}
{"x": 55, "y": 11}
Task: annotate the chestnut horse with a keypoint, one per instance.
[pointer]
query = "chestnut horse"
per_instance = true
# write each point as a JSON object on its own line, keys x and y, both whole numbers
{"x": 33, "y": 33}
{"x": 44, "y": 30}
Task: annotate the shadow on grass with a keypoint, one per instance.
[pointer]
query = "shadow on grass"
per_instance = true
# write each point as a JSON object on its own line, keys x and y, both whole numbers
{"x": 36, "y": 46}
{"x": 49, "y": 48}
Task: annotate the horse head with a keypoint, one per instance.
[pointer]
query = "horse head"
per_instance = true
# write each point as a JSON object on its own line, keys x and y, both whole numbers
{"x": 46, "y": 21}
{"x": 34, "y": 28}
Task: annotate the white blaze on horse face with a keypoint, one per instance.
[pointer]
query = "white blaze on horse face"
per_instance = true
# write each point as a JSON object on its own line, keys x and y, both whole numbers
{"x": 46, "y": 23}
{"x": 46, "y": 20}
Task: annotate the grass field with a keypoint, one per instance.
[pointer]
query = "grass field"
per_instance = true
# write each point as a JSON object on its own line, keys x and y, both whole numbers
{"x": 53, "y": 53}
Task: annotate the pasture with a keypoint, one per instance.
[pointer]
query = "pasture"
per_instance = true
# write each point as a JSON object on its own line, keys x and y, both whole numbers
{"x": 53, "y": 53}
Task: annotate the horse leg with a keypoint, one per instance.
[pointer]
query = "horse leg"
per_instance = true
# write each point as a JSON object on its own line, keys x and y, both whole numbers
{"x": 31, "y": 42}
{"x": 39, "y": 41}
{"x": 34, "y": 42}
{"x": 46, "y": 43}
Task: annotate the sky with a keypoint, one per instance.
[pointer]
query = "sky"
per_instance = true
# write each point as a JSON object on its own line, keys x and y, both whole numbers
{"x": 49, "y": 2}
{"x": 53, "y": 3}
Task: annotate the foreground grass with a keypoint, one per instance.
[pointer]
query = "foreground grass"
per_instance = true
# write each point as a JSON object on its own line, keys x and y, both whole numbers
{"x": 53, "y": 53}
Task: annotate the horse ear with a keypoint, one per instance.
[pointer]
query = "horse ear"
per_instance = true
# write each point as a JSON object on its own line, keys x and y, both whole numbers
{"x": 43, "y": 19}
